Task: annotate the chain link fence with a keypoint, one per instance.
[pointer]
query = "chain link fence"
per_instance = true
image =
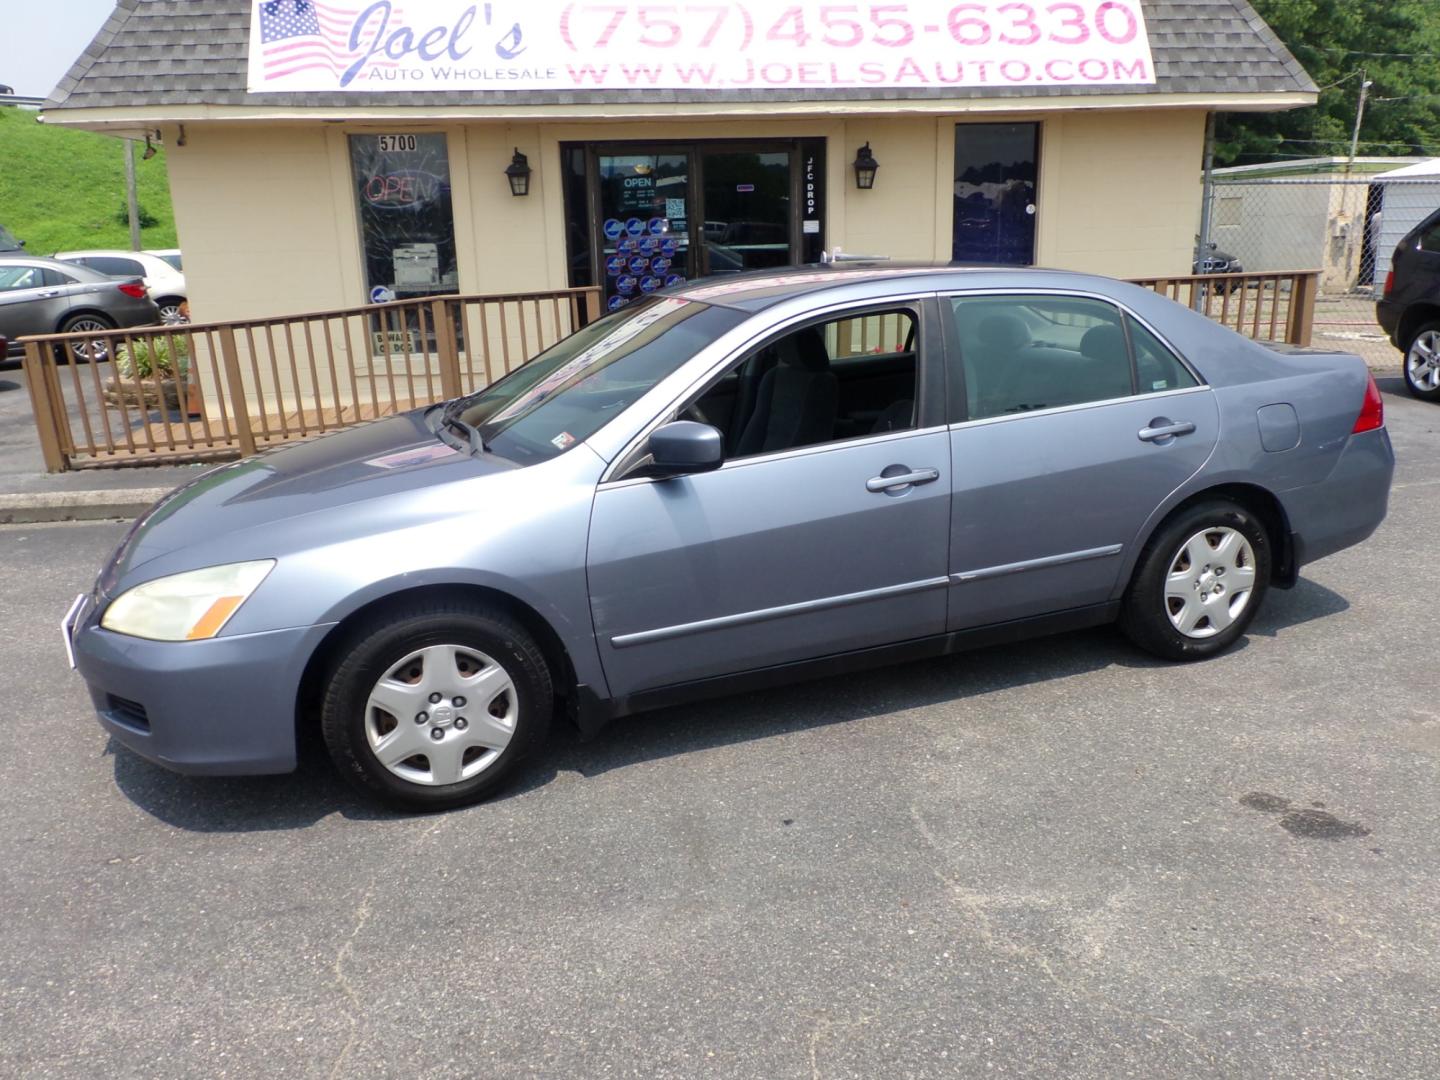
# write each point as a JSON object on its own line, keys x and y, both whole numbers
{"x": 1344, "y": 227}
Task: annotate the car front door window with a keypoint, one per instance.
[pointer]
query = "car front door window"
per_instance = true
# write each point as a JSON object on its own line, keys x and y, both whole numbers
{"x": 842, "y": 378}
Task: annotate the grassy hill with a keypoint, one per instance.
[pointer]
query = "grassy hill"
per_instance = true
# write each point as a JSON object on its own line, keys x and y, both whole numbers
{"x": 62, "y": 189}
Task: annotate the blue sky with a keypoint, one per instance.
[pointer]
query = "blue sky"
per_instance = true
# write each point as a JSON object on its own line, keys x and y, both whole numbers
{"x": 40, "y": 39}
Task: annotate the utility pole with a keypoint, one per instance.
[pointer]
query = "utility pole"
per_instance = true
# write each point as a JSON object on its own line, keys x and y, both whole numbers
{"x": 1355, "y": 227}
{"x": 132, "y": 202}
{"x": 1207, "y": 201}
{"x": 1365, "y": 85}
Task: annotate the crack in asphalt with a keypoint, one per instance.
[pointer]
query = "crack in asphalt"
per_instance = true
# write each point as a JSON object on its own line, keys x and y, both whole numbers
{"x": 353, "y": 1007}
{"x": 976, "y": 903}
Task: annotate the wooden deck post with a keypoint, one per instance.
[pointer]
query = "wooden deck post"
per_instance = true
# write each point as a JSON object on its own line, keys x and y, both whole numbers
{"x": 445, "y": 345}
{"x": 230, "y": 360}
{"x": 42, "y": 404}
{"x": 1300, "y": 326}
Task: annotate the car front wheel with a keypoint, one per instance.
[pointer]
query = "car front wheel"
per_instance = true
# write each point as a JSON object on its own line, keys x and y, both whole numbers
{"x": 431, "y": 707}
{"x": 1422, "y": 363}
{"x": 1199, "y": 582}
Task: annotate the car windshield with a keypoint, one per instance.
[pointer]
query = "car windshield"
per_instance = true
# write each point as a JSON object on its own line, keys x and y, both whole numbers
{"x": 7, "y": 240}
{"x": 569, "y": 392}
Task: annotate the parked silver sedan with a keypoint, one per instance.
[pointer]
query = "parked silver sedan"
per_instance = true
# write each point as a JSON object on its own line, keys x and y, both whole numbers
{"x": 46, "y": 296}
{"x": 746, "y": 480}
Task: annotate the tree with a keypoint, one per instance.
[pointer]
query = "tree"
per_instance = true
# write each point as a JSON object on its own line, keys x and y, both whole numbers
{"x": 1393, "y": 43}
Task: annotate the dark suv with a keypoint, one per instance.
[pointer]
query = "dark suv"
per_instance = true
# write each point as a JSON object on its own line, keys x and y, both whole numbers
{"x": 1409, "y": 310}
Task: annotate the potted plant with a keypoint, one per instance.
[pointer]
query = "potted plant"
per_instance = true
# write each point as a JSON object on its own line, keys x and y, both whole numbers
{"x": 151, "y": 372}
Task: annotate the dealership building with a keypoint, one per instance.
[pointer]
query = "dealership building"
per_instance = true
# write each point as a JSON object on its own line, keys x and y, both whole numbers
{"x": 322, "y": 155}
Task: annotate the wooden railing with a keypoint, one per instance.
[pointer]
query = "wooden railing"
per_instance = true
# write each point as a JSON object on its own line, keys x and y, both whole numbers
{"x": 1266, "y": 307}
{"x": 227, "y": 389}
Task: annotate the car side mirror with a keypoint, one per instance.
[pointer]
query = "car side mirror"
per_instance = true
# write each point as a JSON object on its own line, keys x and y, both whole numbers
{"x": 683, "y": 447}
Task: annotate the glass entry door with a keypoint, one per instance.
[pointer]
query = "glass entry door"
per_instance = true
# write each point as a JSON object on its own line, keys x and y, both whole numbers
{"x": 646, "y": 216}
{"x": 747, "y": 198}
{"x": 644, "y": 234}
{"x": 995, "y": 172}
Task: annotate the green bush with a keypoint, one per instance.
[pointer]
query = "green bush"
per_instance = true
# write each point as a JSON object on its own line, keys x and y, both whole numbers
{"x": 147, "y": 357}
{"x": 147, "y": 219}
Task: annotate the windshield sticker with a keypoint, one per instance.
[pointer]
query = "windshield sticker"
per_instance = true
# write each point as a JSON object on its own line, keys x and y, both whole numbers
{"x": 563, "y": 441}
{"x": 403, "y": 459}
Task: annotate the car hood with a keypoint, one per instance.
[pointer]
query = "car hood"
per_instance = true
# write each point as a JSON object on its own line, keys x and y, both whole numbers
{"x": 315, "y": 488}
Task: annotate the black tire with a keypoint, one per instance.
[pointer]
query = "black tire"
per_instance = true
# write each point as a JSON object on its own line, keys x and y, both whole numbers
{"x": 1144, "y": 614}
{"x": 374, "y": 649}
{"x": 79, "y": 350}
{"x": 1423, "y": 393}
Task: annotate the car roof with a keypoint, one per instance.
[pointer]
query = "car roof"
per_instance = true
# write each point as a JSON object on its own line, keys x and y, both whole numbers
{"x": 117, "y": 253}
{"x": 760, "y": 289}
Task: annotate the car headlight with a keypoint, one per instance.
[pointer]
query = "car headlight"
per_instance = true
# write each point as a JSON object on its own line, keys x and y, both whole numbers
{"x": 186, "y": 607}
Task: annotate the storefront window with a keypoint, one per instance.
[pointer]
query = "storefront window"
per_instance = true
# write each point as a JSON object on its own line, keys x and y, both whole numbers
{"x": 406, "y": 224}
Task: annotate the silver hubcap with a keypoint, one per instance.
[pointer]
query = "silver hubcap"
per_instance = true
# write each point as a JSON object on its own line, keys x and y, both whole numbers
{"x": 441, "y": 715}
{"x": 170, "y": 315}
{"x": 1422, "y": 364}
{"x": 1210, "y": 582}
{"x": 96, "y": 349}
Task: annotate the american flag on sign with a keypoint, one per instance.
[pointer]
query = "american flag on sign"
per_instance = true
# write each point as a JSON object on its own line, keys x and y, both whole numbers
{"x": 299, "y": 35}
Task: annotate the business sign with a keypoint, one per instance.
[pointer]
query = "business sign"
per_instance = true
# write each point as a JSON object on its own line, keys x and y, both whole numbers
{"x": 394, "y": 46}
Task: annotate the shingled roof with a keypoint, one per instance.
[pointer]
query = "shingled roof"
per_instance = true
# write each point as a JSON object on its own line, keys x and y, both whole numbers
{"x": 193, "y": 52}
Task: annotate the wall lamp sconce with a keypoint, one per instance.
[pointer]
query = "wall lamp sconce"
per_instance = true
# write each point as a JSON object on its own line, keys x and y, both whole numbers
{"x": 865, "y": 166}
{"x": 149, "y": 149}
{"x": 518, "y": 173}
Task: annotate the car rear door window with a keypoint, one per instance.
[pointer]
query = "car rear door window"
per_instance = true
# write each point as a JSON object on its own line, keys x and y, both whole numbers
{"x": 54, "y": 278}
{"x": 1022, "y": 353}
{"x": 1157, "y": 369}
{"x": 1430, "y": 238}
{"x": 115, "y": 266}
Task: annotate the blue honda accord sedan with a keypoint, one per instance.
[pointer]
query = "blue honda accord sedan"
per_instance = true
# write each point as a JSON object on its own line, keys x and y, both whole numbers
{"x": 741, "y": 481}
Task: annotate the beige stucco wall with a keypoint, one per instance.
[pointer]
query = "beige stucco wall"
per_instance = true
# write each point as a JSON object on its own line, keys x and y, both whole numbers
{"x": 1120, "y": 192}
{"x": 268, "y": 224}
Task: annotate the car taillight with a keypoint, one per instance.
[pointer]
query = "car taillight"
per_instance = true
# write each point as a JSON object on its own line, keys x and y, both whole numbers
{"x": 1389, "y": 282}
{"x": 137, "y": 291}
{"x": 1372, "y": 412}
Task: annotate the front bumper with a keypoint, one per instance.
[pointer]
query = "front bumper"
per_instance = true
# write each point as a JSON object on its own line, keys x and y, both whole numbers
{"x": 226, "y": 706}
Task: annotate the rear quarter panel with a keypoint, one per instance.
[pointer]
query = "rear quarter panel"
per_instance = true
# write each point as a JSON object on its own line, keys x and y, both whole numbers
{"x": 1326, "y": 390}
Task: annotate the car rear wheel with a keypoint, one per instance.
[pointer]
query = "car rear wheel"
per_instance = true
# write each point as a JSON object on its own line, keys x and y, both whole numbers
{"x": 1199, "y": 582}
{"x": 1422, "y": 363}
{"x": 431, "y": 707}
{"x": 171, "y": 311}
{"x": 97, "y": 350}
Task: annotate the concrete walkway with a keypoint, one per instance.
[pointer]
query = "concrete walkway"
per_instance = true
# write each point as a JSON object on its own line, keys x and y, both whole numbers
{"x": 28, "y": 493}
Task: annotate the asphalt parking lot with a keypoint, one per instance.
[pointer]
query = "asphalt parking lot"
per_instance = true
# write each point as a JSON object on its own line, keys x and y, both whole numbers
{"x": 1056, "y": 859}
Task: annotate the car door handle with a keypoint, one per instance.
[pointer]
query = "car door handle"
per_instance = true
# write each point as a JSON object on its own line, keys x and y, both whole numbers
{"x": 1164, "y": 429}
{"x": 48, "y": 294}
{"x": 887, "y": 481}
